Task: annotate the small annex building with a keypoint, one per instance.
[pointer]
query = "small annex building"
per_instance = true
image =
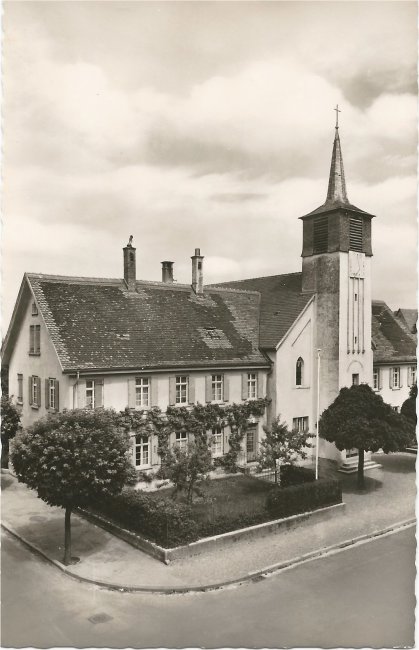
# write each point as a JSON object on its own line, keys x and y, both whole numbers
{"x": 295, "y": 338}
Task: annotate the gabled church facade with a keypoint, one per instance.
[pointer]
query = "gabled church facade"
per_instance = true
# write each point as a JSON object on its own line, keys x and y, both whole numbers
{"x": 296, "y": 338}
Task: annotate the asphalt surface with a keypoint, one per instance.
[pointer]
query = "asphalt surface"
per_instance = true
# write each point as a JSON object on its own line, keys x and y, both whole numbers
{"x": 361, "y": 597}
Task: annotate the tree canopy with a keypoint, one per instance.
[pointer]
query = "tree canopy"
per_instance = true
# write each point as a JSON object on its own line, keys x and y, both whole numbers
{"x": 409, "y": 406}
{"x": 360, "y": 418}
{"x": 72, "y": 458}
{"x": 282, "y": 446}
{"x": 10, "y": 423}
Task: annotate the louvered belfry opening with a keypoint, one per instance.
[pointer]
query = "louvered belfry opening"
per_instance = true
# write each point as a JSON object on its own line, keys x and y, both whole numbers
{"x": 320, "y": 234}
{"x": 356, "y": 234}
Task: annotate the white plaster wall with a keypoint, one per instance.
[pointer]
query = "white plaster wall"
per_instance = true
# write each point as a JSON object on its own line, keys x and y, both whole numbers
{"x": 292, "y": 401}
{"x": 45, "y": 366}
{"x": 394, "y": 396}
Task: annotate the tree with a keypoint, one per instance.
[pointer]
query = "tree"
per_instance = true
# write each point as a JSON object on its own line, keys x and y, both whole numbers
{"x": 408, "y": 408}
{"x": 71, "y": 459}
{"x": 360, "y": 418}
{"x": 281, "y": 444}
{"x": 10, "y": 422}
{"x": 184, "y": 467}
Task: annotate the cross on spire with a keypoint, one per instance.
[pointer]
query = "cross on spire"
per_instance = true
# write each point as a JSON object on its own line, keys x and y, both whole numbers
{"x": 337, "y": 115}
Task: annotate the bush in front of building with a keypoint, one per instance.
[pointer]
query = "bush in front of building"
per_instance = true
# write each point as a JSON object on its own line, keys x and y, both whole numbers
{"x": 294, "y": 475}
{"x": 295, "y": 499}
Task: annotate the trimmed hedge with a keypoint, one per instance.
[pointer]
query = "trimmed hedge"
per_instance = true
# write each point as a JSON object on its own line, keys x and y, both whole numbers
{"x": 169, "y": 524}
{"x": 292, "y": 500}
{"x": 162, "y": 521}
{"x": 294, "y": 475}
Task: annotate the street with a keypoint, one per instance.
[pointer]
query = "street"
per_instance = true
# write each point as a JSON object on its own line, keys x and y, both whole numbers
{"x": 360, "y": 597}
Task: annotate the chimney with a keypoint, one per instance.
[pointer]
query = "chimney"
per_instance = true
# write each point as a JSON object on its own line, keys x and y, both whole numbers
{"x": 197, "y": 272}
{"x": 129, "y": 266}
{"x": 167, "y": 272}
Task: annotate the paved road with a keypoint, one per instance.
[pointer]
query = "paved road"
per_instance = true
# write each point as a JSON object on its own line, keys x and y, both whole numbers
{"x": 360, "y": 597}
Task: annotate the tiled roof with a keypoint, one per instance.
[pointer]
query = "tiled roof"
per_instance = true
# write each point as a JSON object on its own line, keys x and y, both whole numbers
{"x": 98, "y": 324}
{"x": 281, "y": 303}
{"x": 408, "y": 318}
{"x": 391, "y": 341}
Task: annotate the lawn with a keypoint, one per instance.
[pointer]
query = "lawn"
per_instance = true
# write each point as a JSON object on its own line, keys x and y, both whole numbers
{"x": 233, "y": 495}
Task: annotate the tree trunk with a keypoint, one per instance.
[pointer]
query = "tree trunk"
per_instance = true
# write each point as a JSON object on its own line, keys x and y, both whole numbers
{"x": 5, "y": 454}
{"x": 361, "y": 483}
{"x": 276, "y": 475}
{"x": 67, "y": 537}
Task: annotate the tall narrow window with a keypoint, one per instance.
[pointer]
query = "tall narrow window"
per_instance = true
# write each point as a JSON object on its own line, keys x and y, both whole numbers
{"x": 411, "y": 375}
{"x": 35, "y": 391}
{"x": 395, "y": 377}
{"x": 217, "y": 442}
{"x": 299, "y": 372}
{"x": 320, "y": 234}
{"x": 20, "y": 389}
{"x": 52, "y": 393}
{"x": 376, "y": 379}
{"x": 251, "y": 385}
{"x": 34, "y": 309}
{"x": 34, "y": 339}
{"x": 355, "y": 379}
{"x": 355, "y": 234}
{"x": 181, "y": 390}
{"x": 142, "y": 451}
{"x": 217, "y": 388}
{"x": 142, "y": 391}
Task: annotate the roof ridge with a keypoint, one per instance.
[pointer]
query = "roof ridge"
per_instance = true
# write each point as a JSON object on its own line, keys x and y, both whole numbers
{"x": 261, "y": 277}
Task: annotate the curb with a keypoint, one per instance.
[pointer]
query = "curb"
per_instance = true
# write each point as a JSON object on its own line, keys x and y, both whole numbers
{"x": 249, "y": 577}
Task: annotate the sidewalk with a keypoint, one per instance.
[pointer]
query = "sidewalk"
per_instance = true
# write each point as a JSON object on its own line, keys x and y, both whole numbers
{"x": 389, "y": 499}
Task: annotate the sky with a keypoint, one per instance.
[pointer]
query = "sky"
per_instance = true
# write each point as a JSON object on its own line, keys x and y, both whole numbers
{"x": 203, "y": 124}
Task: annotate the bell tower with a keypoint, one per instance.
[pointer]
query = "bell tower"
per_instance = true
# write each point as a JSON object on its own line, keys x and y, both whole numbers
{"x": 336, "y": 266}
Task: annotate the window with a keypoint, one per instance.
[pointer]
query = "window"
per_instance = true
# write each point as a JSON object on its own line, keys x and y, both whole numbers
{"x": 181, "y": 390}
{"x": 35, "y": 391}
{"x": 94, "y": 393}
{"x": 396, "y": 408}
{"x": 51, "y": 393}
{"x": 376, "y": 379}
{"x": 34, "y": 309}
{"x": 251, "y": 435}
{"x": 395, "y": 377}
{"x": 300, "y": 424}
{"x": 217, "y": 388}
{"x": 217, "y": 441}
{"x": 252, "y": 385}
{"x": 411, "y": 374}
{"x": 20, "y": 389}
{"x": 355, "y": 380}
{"x": 142, "y": 451}
{"x": 182, "y": 440}
{"x": 355, "y": 234}
{"x": 320, "y": 234}
{"x": 34, "y": 339}
{"x": 299, "y": 368}
{"x": 142, "y": 391}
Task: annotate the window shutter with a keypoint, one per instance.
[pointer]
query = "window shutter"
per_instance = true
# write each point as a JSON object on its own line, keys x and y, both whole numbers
{"x": 39, "y": 388}
{"x": 172, "y": 391}
{"x": 226, "y": 388}
{"x": 47, "y": 393}
{"x": 57, "y": 395}
{"x": 400, "y": 377}
{"x": 31, "y": 338}
{"x": 208, "y": 388}
{"x": 30, "y": 393}
{"x": 380, "y": 385}
{"x": 245, "y": 391}
{"x": 154, "y": 392}
{"x": 131, "y": 392}
{"x": 191, "y": 391}
{"x": 98, "y": 393}
{"x": 391, "y": 378}
{"x": 81, "y": 394}
{"x": 260, "y": 385}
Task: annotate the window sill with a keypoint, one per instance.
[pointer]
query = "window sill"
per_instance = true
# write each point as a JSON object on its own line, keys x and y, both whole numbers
{"x": 396, "y": 388}
{"x": 35, "y": 407}
{"x": 301, "y": 387}
{"x": 19, "y": 402}
{"x": 34, "y": 354}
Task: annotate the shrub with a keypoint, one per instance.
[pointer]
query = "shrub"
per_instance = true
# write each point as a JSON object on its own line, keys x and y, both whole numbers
{"x": 160, "y": 520}
{"x": 284, "y": 502}
{"x": 294, "y": 475}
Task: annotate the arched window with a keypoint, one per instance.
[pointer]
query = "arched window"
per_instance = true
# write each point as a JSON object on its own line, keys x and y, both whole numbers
{"x": 299, "y": 370}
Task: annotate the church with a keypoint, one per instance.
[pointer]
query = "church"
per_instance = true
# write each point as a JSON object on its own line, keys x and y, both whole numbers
{"x": 297, "y": 339}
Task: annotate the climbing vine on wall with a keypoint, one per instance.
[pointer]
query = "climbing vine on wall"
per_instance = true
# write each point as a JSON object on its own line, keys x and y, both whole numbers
{"x": 195, "y": 421}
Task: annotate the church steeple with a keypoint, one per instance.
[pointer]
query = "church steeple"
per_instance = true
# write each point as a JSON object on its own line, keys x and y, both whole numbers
{"x": 336, "y": 193}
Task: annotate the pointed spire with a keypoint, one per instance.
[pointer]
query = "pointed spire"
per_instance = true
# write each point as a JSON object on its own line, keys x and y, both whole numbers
{"x": 336, "y": 192}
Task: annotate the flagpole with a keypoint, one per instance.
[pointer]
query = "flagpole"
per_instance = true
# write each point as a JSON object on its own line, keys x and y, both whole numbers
{"x": 318, "y": 413}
